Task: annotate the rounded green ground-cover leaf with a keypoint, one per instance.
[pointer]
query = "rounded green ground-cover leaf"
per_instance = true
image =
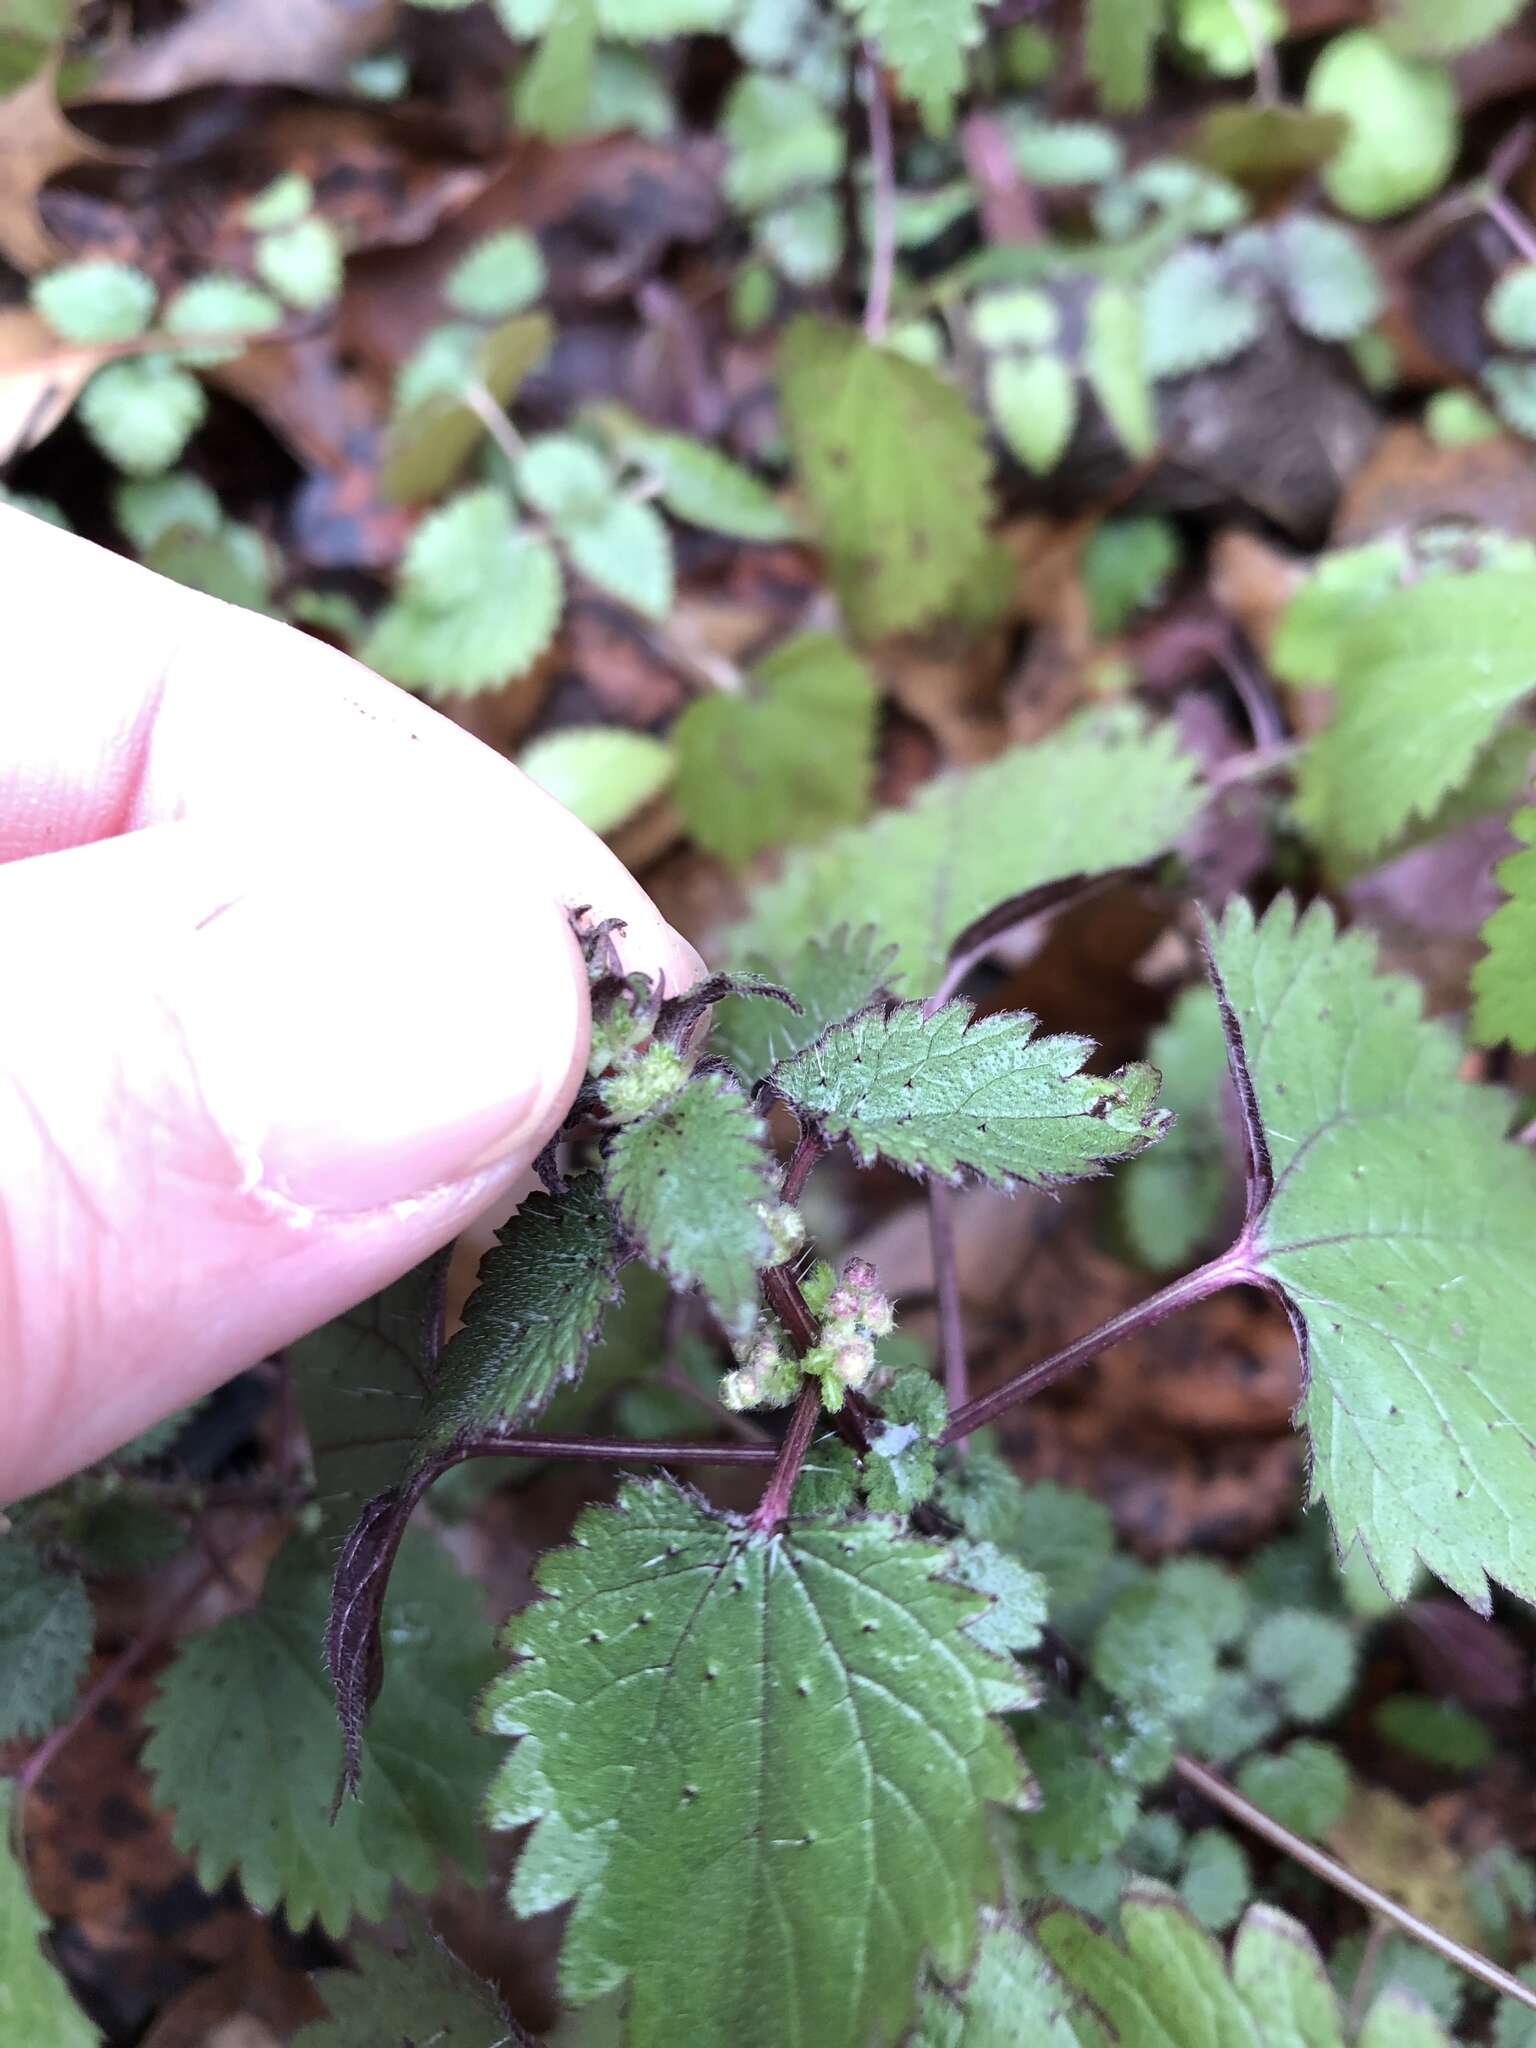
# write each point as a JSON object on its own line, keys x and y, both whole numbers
{"x": 1195, "y": 316}
{"x": 1102, "y": 792}
{"x": 1329, "y": 282}
{"x": 688, "y": 1183}
{"x": 543, "y": 1291}
{"x": 1400, "y": 1230}
{"x": 1404, "y": 129}
{"x": 925, "y": 44}
{"x": 785, "y": 761}
{"x": 46, "y": 1627}
{"x": 601, "y": 773}
{"x": 969, "y": 1099}
{"x": 1437, "y": 1730}
{"x": 95, "y": 301}
{"x": 501, "y": 274}
{"x": 245, "y": 1749}
{"x": 1309, "y": 1659}
{"x": 698, "y": 483}
{"x": 302, "y": 264}
{"x": 35, "y": 2004}
{"x": 783, "y": 142}
{"x": 760, "y": 1768}
{"x": 141, "y": 413}
{"x": 220, "y": 305}
{"x": 1033, "y": 399}
{"x": 1217, "y": 1882}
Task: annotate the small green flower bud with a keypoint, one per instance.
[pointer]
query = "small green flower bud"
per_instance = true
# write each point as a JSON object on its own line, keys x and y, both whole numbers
{"x": 786, "y": 1229}
{"x": 817, "y": 1286}
{"x": 643, "y": 1083}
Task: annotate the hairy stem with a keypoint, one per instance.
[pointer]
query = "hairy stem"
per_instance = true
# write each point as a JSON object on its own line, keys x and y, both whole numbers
{"x": 774, "y": 1505}
{"x": 882, "y": 164}
{"x": 946, "y": 1281}
{"x": 1221, "y": 1794}
{"x": 1234, "y": 1268}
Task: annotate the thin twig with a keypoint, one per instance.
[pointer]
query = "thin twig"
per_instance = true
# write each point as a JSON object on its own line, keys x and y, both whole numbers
{"x": 1513, "y": 223}
{"x": 774, "y": 1505}
{"x": 618, "y": 1450}
{"x": 1234, "y": 1268}
{"x": 1221, "y": 1794}
{"x": 495, "y": 422}
{"x": 882, "y": 163}
{"x": 946, "y": 1281}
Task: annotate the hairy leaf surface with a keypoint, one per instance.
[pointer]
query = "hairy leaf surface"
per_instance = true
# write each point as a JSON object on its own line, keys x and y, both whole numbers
{"x": 1504, "y": 980}
{"x": 759, "y": 1768}
{"x": 421, "y": 1998}
{"x": 1400, "y": 1229}
{"x": 688, "y": 1182}
{"x": 924, "y": 42}
{"x": 245, "y": 1748}
{"x": 829, "y": 980}
{"x": 46, "y": 1625}
{"x": 544, "y": 1288}
{"x": 969, "y": 1099}
{"x": 895, "y": 466}
{"x": 1011, "y": 1996}
{"x": 1104, "y": 792}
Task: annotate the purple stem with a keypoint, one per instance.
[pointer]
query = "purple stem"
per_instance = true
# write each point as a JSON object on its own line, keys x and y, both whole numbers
{"x": 774, "y": 1505}
{"x": 1235, "y": 1268}
{"x": 882, "y": 162}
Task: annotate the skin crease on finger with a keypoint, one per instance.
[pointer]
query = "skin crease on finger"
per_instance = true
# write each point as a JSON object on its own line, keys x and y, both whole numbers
{"x": 297, "y": 831}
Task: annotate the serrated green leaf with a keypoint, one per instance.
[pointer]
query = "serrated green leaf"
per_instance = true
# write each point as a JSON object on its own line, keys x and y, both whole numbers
{"x": 688, "y": 1183}
{"x": 697, "y": 482}
{"x": 149, "y": 508}
{"x": 233, "y": 564}
{"x": 1217, "y": 1882}
{"x": 1118, "y": 367}
{"x": 1016, "y": 1617}
{"x": 421, "y": 1996}
{"x": 900, "y": 1467}
{"x": 1330, "y": 283}
{"x": 1397, "y": 2019}
{"x": 785, "y": 762}
{"x": 1066, "y": 1536}
{"x": 894, "y": 466}
{"x": 434, "y": 431}
{"x": 543, "y": 1291}
{"x": 1021, "y": 318}
{"x": 1153, "y": 1653}
{"x": 1424, "y": 675}
{"x": 95, "y": 301}
{"x": 256, "y": 1799}
{"x": 141, "y": 413}
{"x": 1101, "y": 792}
{"x": 1226, "y": 34}
{"x": 220, "y": 305}
{"x": 480, "y": 603}
{"x": 1237, "y": 1717}
{"x": 566, "y": 479}
{"x": 1086, "y": 1808}
{"x": 829, "y": 980}
{"x": 625, "y": 550}
{"x": 1167, "y": 1988}
{"x": 46, "y": 1626}
{"x": 499, "y": 275}
{"x": 1304, "y": 1786}
{"x": 1064, "y": 152}
{"x": 1444, "y": 28}
{"x": 781, "y": 140}
{"x": 925, "y": 42}
{"x": 1399, "y": 1229}
{"x": 966, "y": 1098}
{"x": 302, "y": 264}
{"x": 1309, "y": 1659}
{"x": 1504, "y": 980}
{"x": 1169, "y": 1200}
{"x": 820, "y": 1755}
{"x": 1214, "y": 1596}
{"x": 1033, "y": 400}
{"x": 362, "y": 1381}
{"x": 35, "y": 2004}
{"x": 601, "y": 773}
{"x": 1195, "y": 316}
{"x": 1277, "y": 1969}
{"x": 1404, "y": 127}
{"x": 1011, "y": 1996}
{"x": 1118, "y": 41}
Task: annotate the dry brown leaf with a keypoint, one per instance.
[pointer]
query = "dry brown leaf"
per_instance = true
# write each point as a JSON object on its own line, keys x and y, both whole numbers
{"x": 1407, "y": 482}
{"x": 1393, "y": 1847}
{"x": 36, "y": 142}
{"x": 309, "y": 43}
{"x": 40, "y": 379}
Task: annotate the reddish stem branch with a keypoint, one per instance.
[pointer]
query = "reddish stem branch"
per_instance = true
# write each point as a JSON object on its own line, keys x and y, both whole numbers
{"x": 1221, "y": 1794}
{"x": 774, "y": 1505}
{"x": 882, "y": 164}
{"x": 1233, "y": 1269}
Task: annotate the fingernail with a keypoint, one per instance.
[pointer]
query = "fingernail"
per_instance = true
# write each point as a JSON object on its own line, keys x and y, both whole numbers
{"x": 368, "y": 1033}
